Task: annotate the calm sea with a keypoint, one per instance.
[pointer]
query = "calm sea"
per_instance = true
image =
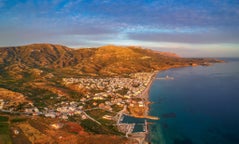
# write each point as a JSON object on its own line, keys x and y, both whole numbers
{"x": 200, "y": 106}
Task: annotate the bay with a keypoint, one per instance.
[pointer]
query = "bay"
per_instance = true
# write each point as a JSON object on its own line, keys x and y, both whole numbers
{"x": 200, "y": 106}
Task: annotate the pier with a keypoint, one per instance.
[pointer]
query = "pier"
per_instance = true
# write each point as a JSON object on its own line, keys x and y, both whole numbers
{"x": 165, "y": 78}
{"x": 152, "y": 117}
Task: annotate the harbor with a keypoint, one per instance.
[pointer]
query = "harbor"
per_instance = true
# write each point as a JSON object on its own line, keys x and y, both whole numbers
{"x": 135, "y": 128}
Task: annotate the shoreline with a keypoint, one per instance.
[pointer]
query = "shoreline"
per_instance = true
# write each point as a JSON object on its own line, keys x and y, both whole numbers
{"x": 145, "y": 97}
{"x": 148, "y": 102}
{"x": 143, "y": 137}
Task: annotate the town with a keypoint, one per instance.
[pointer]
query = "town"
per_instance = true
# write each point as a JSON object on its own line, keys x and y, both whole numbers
{"x": 116, "y": 96}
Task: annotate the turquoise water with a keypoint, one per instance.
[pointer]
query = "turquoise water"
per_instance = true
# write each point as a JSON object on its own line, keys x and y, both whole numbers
{"x": 200, "y": 106}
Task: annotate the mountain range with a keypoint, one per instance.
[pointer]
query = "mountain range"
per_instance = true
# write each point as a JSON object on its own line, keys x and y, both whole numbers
{"x": 105, "y": 60}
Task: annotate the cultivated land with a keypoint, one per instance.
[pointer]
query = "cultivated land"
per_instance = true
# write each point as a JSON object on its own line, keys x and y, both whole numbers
{"x": 54, "y": 94}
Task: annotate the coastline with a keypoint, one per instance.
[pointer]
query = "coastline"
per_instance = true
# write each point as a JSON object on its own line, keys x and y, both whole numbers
{"x": 143, "y": 137}
{"x": 160, "y": 132}
{"x": 145, "y": 97}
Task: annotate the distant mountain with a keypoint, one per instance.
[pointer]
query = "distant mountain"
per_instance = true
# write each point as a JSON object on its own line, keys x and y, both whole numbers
{"x": 106, "y": 60}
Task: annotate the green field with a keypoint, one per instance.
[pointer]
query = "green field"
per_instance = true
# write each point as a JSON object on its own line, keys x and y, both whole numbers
{"x": 4, "y": 131}
{"x": 3, "y": 119}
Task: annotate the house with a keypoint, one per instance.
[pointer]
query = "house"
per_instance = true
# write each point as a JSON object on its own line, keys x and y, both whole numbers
{"x": 141, "y": 104}
{"x": 57, "y": 125}
{"x": 16, "y": 132}
{"x": 131, "y": 105}
{"x": 65, "y": 117}
{"x": 1, "y": 103}
{"x": 108, "y": 103}
{"x": 102, "y": 105}
{"x": 107, "y": 117}
{"x": 98, "y": 98}
{"x": 28, "y": 110}
{"x": 72, "y": 108}
{"x": 36, "y": 110}
{"x": 83, "y": 117}
{"x": 83, "y": 99}
{"x": 51, "y": 115}
{"x": 78, "y": 112}
{"x": 126, "y": 96}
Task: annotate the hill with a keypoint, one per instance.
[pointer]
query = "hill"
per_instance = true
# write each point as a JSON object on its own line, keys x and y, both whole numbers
{"x": 106, "y": 60}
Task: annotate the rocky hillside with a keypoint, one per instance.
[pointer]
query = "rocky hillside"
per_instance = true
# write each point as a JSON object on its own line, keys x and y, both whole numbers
{"x": 106, "y": 60}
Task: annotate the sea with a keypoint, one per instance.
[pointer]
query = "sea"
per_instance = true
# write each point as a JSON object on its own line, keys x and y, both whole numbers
{"x": 199, "y": 106}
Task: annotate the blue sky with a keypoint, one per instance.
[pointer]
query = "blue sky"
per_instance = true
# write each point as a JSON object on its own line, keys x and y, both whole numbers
{"x": 191, "y": 28}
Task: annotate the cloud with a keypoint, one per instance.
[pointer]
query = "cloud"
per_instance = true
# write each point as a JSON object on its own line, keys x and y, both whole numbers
{"x": 161, "y": 13}
{"x": 188, "y": 35}
{"x": 204, "y": 13}
{"x": 186, "y": 38}
{"x": 83, "y": 22}
{"x": 88, "y": 30}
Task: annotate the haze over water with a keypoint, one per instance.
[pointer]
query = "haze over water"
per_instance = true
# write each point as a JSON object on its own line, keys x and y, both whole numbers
{"x": 200, "y": 106}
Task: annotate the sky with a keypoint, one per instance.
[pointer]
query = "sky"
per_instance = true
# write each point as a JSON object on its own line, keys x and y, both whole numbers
{"x": 190, "y": 28}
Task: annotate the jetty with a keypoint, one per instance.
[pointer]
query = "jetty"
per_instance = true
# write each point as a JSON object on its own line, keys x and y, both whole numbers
{"x": 165, "y": 78}
{"x": 152, "y": 117}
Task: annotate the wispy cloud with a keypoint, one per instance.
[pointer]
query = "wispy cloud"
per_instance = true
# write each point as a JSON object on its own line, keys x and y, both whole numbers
{"x": 204, "y": 37}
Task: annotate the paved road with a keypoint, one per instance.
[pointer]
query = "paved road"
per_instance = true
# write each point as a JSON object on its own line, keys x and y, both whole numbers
{"x": 89, "y": 117}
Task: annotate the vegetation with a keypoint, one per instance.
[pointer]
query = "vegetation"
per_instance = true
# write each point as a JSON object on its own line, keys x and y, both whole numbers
{"x": 98, "y": 113}
{"x": 95, "y": 128}
{"x": 3, "y": 119}
{"x": 4, "y": 130}
{"x": 36, "y": 60}
{"x": 18, "y": 119}
{"x": 123, "y": 91}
